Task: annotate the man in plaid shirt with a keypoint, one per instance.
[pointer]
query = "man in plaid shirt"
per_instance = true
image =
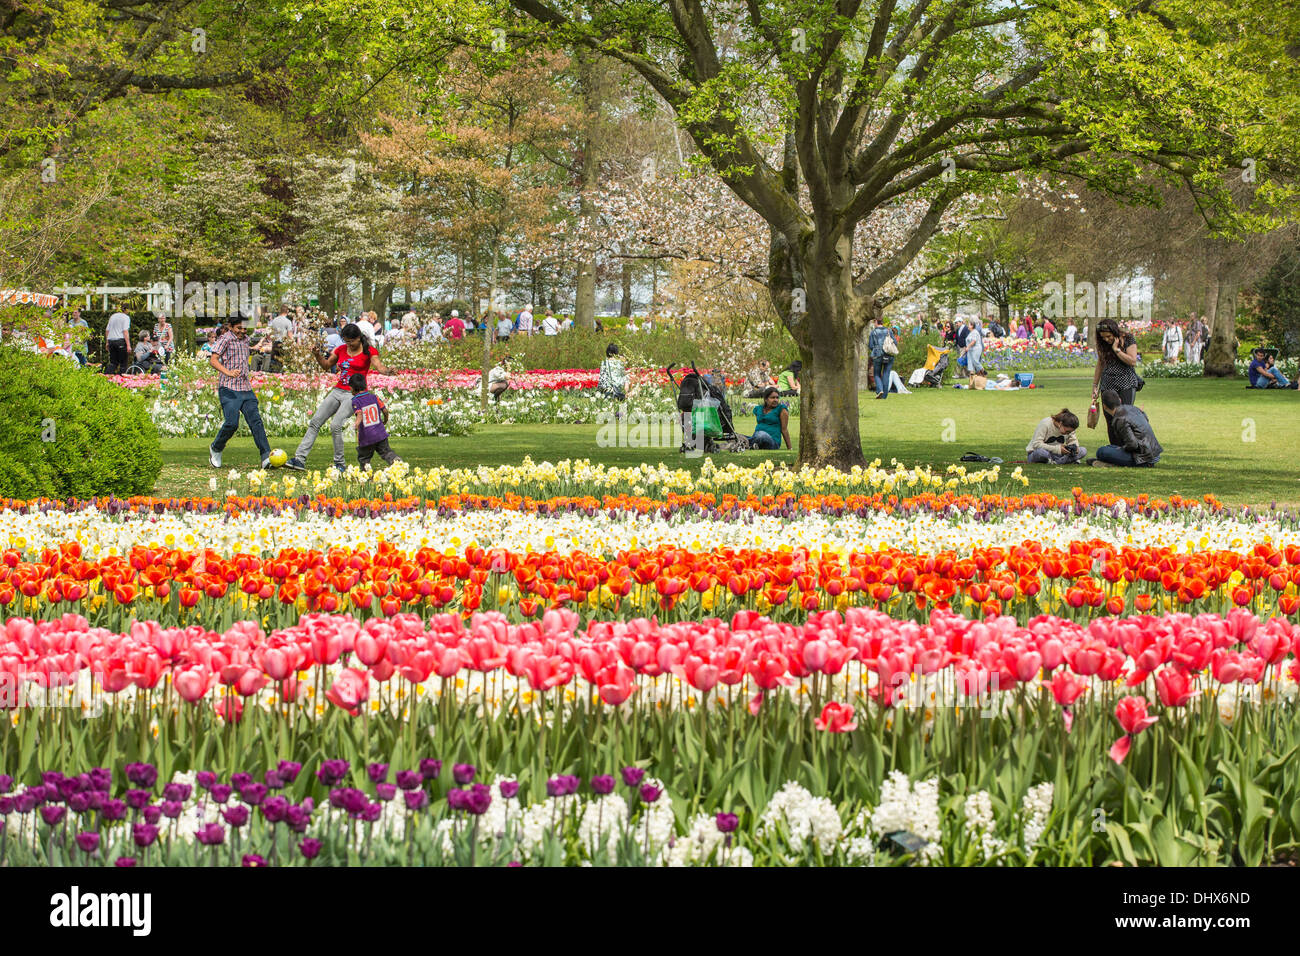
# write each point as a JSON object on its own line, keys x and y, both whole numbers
{"x": 230, "y": 358}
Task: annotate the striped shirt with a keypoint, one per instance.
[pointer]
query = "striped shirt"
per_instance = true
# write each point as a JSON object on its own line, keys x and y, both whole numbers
{"x": 232, "y": 351}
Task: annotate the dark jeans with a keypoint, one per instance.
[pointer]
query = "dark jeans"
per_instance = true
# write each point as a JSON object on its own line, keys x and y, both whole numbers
{"x": 364, "y": 453}
{"x": 1114, "y": 455}
{"x": 232, "y": 404}
{"x": 119, "y": 357}
{"x": 763, "y": 441}
{"x": 881, "y": 367}
{"x": 1126, "y": 397}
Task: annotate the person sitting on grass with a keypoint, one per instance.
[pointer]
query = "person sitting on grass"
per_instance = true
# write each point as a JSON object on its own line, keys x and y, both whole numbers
{"x": 1055, "y": 441}
{"x": 773, "y": 422}
{"x": 1265, "y": 374}
{"x": 759, "y": 379}
{"x": 499, "y": 379}
{"x": 787, "y": 383}
{"x": 1135, "y": 444}
{"x": 372, "y": 423}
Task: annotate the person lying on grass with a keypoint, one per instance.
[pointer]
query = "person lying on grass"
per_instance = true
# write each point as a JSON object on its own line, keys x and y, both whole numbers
{"x": 1055, "y": 441}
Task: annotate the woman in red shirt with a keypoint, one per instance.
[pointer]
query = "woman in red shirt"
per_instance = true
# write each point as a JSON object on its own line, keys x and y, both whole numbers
{"x": 356, "y": 356}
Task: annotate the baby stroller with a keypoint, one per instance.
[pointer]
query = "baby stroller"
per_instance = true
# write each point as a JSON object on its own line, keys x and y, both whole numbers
{"x": 706, "y": 416}
{"x": 936, "y": 363}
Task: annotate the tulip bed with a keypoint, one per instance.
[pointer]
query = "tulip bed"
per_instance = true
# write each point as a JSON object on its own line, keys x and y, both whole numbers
{"x": 649, "y": 667}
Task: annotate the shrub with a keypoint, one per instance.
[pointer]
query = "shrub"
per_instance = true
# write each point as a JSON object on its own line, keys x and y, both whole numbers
{"x": 71, "y": 433}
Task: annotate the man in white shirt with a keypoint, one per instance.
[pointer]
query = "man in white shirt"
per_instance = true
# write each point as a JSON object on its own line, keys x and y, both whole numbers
{"x": 550, "y": 325}
{"x": 1173, "y": 341}
{"x": 1071, "y": 332}
{"x": 117, "y": 336}
{"x": 526, "y": 322}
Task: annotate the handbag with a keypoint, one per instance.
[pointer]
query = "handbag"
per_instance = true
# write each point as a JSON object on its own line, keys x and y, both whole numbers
{"x": 889, "y": 346}
{"x": 1094, "y": 413}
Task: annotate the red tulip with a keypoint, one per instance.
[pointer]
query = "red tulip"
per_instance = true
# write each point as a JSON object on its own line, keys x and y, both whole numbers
{"x": 836, "y": 718}
{"x": 1173, "y": 687}
{"x": 1131, "y": 712}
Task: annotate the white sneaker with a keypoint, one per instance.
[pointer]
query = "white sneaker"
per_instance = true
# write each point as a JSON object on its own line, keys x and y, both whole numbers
{"x": 214, "y": 457}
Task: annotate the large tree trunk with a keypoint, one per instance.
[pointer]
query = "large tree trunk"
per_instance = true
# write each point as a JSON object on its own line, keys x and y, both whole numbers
{"x": 827, "y": 336}
{"x": 1004, "y": 313}
{"x": 1221, "y": 355}
{"x": 625, "y": 307}
{"x": 488, "y": 322}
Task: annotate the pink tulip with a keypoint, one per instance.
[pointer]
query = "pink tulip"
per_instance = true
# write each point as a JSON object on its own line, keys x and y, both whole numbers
{"x": 350, "y": 690}
{"x": 1131, "y": 712}
{"x": 836, "y": 718}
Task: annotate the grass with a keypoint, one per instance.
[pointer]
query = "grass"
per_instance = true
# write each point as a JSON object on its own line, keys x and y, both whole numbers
{"x": 1219, "y": 438}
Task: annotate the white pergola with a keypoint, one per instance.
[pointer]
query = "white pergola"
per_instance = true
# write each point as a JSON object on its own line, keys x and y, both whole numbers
{"x": 158, "y": 295}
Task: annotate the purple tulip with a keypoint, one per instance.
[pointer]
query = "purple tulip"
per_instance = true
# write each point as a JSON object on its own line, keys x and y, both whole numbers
{"x": 478, "y": 799}
{"x": 409, "y": 779}
{"x": 377, "y": 772}
{"x": 602, "y": 784}
{"x": 7, "y": 805}
{"x": 144, "y": 834}
{"x": 372, "y": 812}
{"x": 137, "y": 799}
{"x": 205, "y": 779}
{"x": 236, "y": 816}
{"x": 288, "y": 771}
{"x": 151, "y": 814}
{"x": 355, "y": 802}
{"x": 727, "y": 822}
{"x": 556, "y": 787}
{"x": 430, "y": 768}
{"x": 240, "y": 780}
{"x": 51, "y": 778}
{"x": 52, "y": 814}
{"x": 88, "y": 841}
{"x": 27, "y": 801}
{"x": 415, "y": 799}
{"x": 275, "y": 809}
{"x": 178, "y": 792}
{"x": 142, "y": 774}
{"x": 68, "y": 786}
{"x": 332, "y": 772}
{"x": 509, "y": 789}
{"x": 514, "y": 863}
{"x": 252, "y": 859}
{"x": 463, "y": 773}
{"x": 112, "y": 810}
{"x": 310, "y": 848}
{"x": 273, "y": 780}
{"x": 79, "y": 802}
{"x": 385, "y": 791}
{"x": 171, "y": 809}
{"x": 297, "y": 818}
{"x": 124, "y": 861}
{"x": 211, "y": 834}
{"x": 253, "y": 793}
{"x": 456, "y": 798}
{"x": 649, "y": 792}
{"x": 6, "y": 783}
{"x": 632, "y": 775}
{"x": 221, "y": 792}
{"x": 100, "y": 778}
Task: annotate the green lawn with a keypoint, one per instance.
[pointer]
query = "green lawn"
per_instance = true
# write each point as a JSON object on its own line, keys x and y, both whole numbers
{"x": 1219, "y": 438}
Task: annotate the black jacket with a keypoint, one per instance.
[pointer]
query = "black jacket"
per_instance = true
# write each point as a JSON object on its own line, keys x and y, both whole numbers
{"x": 1133, "y": 433}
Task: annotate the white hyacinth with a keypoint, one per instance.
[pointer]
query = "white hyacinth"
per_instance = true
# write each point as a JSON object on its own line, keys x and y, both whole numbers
{"x": 804, "y": 818}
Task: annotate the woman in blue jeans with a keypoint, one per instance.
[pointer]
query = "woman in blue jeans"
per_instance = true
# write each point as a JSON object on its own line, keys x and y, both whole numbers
{"x": 882, "y": 363}
{"x": 773, "y": 422}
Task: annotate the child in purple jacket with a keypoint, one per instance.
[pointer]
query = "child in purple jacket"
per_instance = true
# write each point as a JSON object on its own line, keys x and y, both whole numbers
{"x": 372, "y": 415}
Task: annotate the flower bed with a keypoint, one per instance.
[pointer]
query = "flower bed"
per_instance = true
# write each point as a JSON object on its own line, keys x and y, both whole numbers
{"x": 859, "y": 705}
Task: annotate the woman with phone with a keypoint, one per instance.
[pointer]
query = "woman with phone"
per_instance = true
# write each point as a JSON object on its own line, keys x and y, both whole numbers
{"x": 1117, "y": 358}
